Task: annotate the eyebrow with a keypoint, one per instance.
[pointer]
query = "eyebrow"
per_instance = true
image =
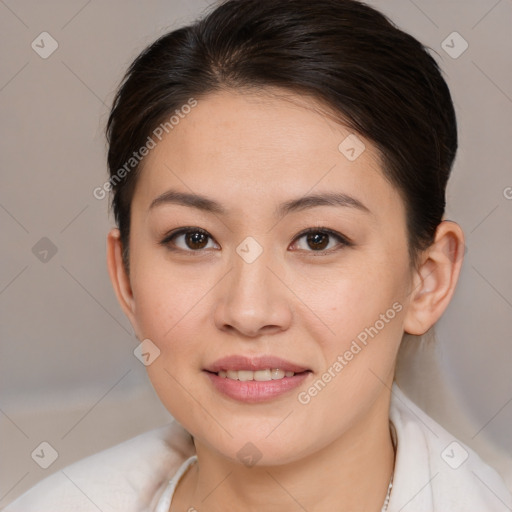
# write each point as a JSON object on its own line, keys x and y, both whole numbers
{"x": 310, "y": 201}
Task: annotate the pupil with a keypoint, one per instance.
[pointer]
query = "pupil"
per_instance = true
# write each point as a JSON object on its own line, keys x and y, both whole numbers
{"x": 196, "y": 240}
{"x": 318, "y": 241}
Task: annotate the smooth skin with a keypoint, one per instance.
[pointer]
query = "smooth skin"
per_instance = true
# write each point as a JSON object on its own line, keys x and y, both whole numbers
{"x": 198, "y": 300}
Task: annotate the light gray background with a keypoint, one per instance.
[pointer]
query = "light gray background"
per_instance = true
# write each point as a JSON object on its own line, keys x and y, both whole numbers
{"x": 68, "y": 374}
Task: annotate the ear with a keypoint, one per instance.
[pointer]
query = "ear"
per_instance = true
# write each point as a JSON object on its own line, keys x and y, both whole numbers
{"x": 118, "y": 276}
{"x": 435, "y": 280}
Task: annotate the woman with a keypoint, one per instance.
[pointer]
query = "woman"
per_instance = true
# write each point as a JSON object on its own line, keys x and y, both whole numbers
{"x": 278, "y": 173}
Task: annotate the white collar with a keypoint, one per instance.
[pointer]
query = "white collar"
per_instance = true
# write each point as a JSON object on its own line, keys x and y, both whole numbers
{"x": 434, "y": 472}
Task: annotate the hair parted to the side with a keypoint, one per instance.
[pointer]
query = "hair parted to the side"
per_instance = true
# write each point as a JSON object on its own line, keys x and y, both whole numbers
{"x": 380, "y": 81}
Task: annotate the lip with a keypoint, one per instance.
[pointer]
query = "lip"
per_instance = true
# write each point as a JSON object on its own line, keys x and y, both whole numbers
{"x": 239, "y": 362}
{"x": 255, "y": 391}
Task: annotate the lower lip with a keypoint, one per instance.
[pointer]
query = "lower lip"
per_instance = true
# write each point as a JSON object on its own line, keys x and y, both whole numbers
{"x": 253, "y": 391}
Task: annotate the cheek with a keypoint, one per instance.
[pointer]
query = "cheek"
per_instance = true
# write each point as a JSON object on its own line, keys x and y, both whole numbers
{"x": 170, "y": 312}
{"x": 348, "y": 301}
{"x": 167, "y": 297}
{"x": 364, "y": 314}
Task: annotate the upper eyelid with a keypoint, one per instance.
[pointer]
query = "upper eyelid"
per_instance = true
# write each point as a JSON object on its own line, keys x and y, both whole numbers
{"x": 318, "y": 230}
{"x": 327, "y": 231}
{"x": 185, "y": 229}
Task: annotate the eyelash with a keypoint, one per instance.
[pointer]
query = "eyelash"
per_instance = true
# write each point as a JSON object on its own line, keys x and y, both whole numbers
{"x": 342, "y": 240}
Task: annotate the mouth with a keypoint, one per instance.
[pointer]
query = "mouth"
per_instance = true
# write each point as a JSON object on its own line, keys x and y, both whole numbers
{"x": 259, "y": 375}
{"x": 256, "y": 379}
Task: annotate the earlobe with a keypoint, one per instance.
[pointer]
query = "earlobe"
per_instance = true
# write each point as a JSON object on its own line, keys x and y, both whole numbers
{"x": 118, "y": 276}
{"x": 435, "y": 281}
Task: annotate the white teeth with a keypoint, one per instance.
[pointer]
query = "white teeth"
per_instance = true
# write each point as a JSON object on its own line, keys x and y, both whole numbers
{"x": 277, "y": 374}
{"x": 232, "y": 374}
{"x": 259, "y": 375}
{"x": 245, "y": 375}
{"x": 262, "y": 375}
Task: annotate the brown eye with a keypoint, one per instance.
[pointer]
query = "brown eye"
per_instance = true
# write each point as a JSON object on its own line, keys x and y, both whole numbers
{"x": 320, "y": 240}
{"x": 189, "y": 239}
{"x": 317, "y": 241}
{"x": 196, "y": 240}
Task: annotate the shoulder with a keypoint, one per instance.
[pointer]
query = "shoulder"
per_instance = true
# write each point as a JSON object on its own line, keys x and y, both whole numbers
{"x": 129, "y": 476}
{"x": 435, "y": 471}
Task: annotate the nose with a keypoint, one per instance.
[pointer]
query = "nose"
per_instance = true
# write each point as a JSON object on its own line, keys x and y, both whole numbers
{"x": 253, "y": 301}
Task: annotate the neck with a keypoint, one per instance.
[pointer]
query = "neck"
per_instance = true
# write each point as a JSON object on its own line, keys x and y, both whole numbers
{"x": 351, "y": 473}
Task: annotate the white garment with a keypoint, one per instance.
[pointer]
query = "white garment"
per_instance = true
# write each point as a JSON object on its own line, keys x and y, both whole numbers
{"x": 165, "y": 500}
{"x": 433, "y": 473}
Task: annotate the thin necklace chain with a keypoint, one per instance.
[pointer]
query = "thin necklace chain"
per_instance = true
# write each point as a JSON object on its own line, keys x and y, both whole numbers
{"x": 388, "y": 495}
{"x": 390, "y": 486}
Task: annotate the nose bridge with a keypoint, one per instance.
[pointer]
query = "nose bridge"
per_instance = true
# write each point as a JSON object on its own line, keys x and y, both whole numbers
{"x": 250, "y": 279}
{"x": 252, "y": 298}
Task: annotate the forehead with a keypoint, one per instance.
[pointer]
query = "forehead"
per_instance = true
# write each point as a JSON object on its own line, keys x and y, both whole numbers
{"x": 258, "y": 146}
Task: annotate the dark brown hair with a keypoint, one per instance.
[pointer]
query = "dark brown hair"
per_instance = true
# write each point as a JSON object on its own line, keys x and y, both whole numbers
{"x": 380, "y": 81}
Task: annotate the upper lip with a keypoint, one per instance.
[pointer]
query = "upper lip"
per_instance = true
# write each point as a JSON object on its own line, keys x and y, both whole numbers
{"x": 240, "y": 362}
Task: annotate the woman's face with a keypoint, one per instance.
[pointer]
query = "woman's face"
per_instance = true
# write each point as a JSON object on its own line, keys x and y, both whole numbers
{"x": 222, "y": 266}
